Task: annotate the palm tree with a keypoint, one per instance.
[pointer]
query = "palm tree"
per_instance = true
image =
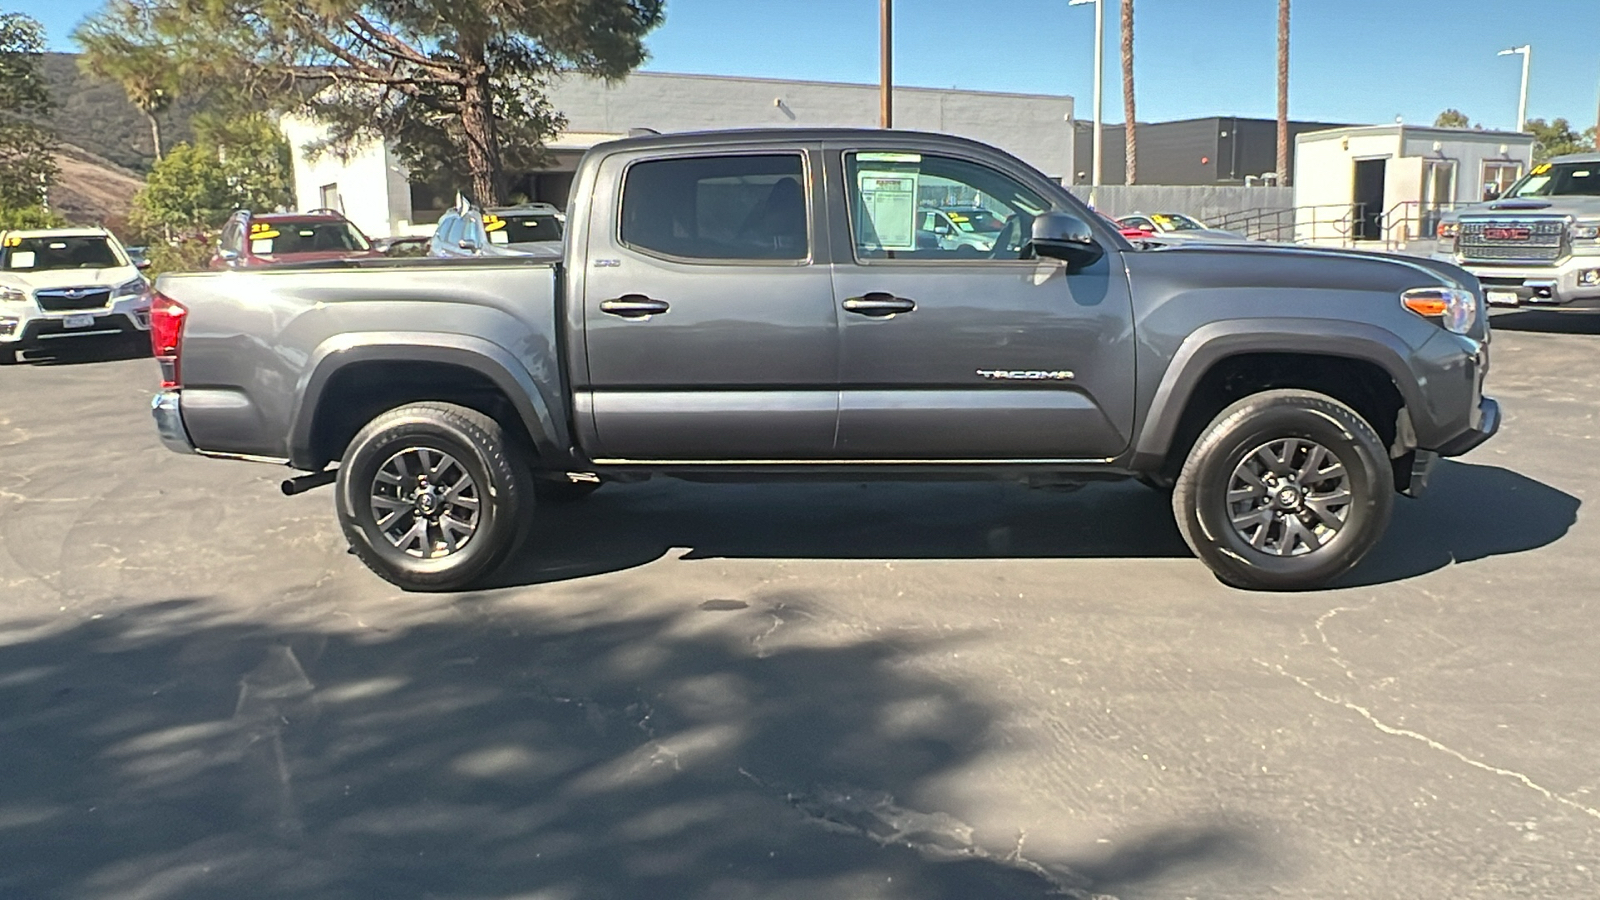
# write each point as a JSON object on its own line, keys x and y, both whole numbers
{"x": 1283, "y": 92}
{"x": 1130, "y": 139}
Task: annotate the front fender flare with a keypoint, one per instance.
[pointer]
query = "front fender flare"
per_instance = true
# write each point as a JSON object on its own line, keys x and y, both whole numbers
{"x": 1211, "y": 343}
{"x": 532, "y": 401}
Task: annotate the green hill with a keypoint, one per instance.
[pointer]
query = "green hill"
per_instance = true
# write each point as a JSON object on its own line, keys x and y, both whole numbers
{"x": 96, "y": 116}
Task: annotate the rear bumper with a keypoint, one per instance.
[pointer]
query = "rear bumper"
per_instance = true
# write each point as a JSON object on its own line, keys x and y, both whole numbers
{"x": 1486, "y": 423}
{"x": 168, "y": 413}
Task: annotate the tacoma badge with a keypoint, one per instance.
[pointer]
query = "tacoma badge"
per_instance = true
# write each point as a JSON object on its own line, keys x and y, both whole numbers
{"x": 1025, "y": 375}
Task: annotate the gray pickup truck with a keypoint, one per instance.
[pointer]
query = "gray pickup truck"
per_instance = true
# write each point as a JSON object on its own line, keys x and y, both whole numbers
{"x": 756, "y": 304}
{"x": 1539, "y": 244}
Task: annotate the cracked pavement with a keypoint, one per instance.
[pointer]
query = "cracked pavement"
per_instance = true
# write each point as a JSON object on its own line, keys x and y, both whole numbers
{"x": 888, "y": 690}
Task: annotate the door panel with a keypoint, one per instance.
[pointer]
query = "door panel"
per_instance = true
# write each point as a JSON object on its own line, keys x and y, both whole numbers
{"x": 742, "y": 363}
{"x": 1001, "y": 358}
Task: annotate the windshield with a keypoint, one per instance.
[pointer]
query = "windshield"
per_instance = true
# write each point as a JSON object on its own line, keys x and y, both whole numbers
{"x": 278, "y": 238}
{"x": 1559, "y": 180}
{"x": 976, "y": 221}
{"x": 521, "y": 229}
{"x": 1177, "y": 222}
{"x": 44, "y": 254}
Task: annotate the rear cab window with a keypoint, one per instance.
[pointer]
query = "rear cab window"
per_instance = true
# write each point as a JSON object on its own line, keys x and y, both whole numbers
{"x": 736, "y": 207}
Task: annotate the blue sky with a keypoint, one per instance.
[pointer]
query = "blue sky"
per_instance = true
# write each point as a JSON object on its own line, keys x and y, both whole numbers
{"x": 1353, "y": 61}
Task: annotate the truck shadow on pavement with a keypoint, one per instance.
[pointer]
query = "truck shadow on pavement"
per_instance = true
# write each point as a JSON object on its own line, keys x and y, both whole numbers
{"x": 1548, "y": 321}
{"x": 188, "y": 749}
{"x": 1470, "y": 512}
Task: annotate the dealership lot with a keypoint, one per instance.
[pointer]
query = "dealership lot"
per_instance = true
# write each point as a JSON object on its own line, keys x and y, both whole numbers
{"x": 878, "y": 690}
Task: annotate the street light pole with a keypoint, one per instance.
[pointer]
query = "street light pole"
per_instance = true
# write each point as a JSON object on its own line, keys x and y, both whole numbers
{"x": 1099, "y": 93}
{"x": 1522, "y": 103}
{"x": 886, "y": 64}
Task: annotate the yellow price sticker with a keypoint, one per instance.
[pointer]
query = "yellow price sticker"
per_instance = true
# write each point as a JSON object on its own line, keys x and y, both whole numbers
{"x": 493, "y": 223}
{"x": 265, "y": 234}
{"x": 957, "y": 217}
{"x": 1541, "y": 168}
{"x": 258, "y": 227}
{"x": 13, "y": 242}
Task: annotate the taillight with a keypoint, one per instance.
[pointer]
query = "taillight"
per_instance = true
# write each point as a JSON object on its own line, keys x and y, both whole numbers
{"x": 167, "y": 317}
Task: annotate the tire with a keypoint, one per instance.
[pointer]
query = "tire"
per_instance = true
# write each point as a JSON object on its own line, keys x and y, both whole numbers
{"x": 445, "y": 531}
{"x": 552, "y": 491}
{"x": 1255, "y": 473}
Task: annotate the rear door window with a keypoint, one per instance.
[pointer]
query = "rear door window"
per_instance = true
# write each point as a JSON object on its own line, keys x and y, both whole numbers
{"x": 736, "y": 207}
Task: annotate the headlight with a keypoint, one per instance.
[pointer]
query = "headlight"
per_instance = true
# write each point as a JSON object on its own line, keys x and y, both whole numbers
{"x": 12, "y": 295}
{"x": 1456, "y": 310}
{"x": 131, "y": 288}
{"x": 1447, "y": 231}
{"x": 1586, "y": 231}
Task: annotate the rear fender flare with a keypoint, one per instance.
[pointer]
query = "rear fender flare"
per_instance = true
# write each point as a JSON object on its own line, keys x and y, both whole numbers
{"x": 494, "y": 362}
{"x": 1217, "y": 341}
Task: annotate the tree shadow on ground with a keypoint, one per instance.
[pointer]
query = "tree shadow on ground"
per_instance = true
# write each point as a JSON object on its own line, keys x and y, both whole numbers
{"x": 167, "y": 753}
{"x": 1548, "y": 321}
{"x": 1470, "y": 512}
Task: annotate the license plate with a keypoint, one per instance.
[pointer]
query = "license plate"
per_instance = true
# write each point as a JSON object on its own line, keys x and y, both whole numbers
{"x": 78, "y": 322}
{"x": 1501, "y": 298}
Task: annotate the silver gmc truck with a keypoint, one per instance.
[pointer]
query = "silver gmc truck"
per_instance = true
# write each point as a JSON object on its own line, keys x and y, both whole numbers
{"x": 757, "y": 304}
{"x": 1538, "y": 244}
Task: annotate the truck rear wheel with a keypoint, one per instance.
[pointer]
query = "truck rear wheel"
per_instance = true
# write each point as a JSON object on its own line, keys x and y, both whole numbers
{"x": 1285, "y": 490}
{"x": 433, "y": 496}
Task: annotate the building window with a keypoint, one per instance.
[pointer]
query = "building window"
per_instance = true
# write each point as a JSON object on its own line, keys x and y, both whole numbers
{"x": 1498, "y": 178}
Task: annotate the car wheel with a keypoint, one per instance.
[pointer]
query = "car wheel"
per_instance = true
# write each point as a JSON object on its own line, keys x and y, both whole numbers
{"x": 433, "y": 496}
{"x": 552, "y": 491}
{"x": 1285, "y": 490}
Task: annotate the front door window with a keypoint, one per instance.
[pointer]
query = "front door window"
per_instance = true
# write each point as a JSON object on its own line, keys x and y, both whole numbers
{"x": 911, "y": 206}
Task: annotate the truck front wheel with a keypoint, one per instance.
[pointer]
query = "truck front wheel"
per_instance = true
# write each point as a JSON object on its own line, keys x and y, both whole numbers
{"x": 1285, "y": 490}
{"x": 432, "y": 496}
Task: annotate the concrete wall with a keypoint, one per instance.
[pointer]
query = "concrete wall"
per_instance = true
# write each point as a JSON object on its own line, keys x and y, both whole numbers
{"x": 1209, "y": 204}
{"x": 1035, "y": 127}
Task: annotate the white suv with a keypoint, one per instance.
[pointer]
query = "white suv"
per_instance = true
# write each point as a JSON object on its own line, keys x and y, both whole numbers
{"x": 66, "y": 283}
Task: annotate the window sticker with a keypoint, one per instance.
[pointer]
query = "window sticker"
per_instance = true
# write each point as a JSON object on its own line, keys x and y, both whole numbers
{"x": 493, "y": 223}
{"x": 262, "y": 245}
{"x": 496, "y": 236}
{"x": 888, "y": 208}
{"x": 1540, "y": 169}
{"x": 22, "y": 259}
{"x": 264, "y": 234}
{"x": 258, "y": 227}
{"x": 13, "y": 242}
{"x": 889, "y": 157}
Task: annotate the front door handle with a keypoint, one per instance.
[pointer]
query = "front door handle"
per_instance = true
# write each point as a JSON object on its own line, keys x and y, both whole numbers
{"x": 878, "y": 304}
{"x": 633, "y": 306}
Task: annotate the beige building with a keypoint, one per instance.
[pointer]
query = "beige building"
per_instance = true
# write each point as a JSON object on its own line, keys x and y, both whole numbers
{"x": 1388, "y": 184}
{"x": 372, "y": 188}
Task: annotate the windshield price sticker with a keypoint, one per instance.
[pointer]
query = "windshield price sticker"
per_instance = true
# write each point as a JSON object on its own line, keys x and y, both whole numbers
{"x": 13, "y": 242}
{"x": 888, "y": 210}
{"x": 493, "y": 223}
{"x": 21, "y": 259}
{"x": 1540, "y": 169}
{"x": 262, "y": 245}
{"x": 889, "y": 157}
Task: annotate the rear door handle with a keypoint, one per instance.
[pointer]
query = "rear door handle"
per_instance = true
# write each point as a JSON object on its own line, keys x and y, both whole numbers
{"x": 878, "y": 304}
{"x": 633, "y": 306}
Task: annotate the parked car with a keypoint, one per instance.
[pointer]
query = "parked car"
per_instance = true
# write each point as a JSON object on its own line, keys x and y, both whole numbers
{"x": 1177, "y": 225}
{"x": 972, "y": 228}
{"x": 531, "y": 229}
{"x": 66, "y": 284}
{"x": 721, "y": 314}
{"x": 1539, "y": 244}
{"x": 265, "y": 239}
{"x": 1127, "y": 231}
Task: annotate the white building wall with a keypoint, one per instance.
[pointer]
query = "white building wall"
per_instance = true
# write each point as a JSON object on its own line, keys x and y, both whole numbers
{"x": 371, "y": 187}
{"x": 1035, "y": 127}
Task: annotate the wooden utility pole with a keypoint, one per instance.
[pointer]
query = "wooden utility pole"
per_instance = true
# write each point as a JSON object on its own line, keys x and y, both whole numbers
{"x": 1283, "y": 93}
{"x": 886, "y": 64}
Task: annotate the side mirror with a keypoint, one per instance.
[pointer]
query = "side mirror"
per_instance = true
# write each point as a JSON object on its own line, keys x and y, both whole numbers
{"x": 468, "y": 244}
{"x": 1490, "y": 194}
{"x": 227, "y": 255}
{"x": 1066, "y": 237}
{"x": 941, "y": 229}
{"x": 142, "y": 264}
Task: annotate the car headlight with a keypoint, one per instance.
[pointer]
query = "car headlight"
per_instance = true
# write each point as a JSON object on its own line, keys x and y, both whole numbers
{"x": 12, "y": 295}
{"x": 1586, "y": 231}
{"x": 1456, "y": 310}
{"x": 130, "y": 288}
{"x": 1447, "y": 231}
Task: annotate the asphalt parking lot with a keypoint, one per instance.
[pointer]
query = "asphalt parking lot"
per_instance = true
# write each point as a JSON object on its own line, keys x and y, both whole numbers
{"x": 850, "y": 691}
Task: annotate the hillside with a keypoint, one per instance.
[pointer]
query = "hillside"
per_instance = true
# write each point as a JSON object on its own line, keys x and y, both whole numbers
{"x": 91, "y": 190}
{"x": 96, "y": 116}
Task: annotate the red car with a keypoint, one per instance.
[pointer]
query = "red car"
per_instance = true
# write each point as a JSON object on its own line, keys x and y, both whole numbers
{"x": 277, "y": 238}
{"x": 1128, "y": 232}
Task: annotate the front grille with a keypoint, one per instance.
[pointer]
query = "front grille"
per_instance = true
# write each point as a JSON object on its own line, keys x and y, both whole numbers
{"x": 1512, "y": 240}
{"x": 73, "y": 299}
